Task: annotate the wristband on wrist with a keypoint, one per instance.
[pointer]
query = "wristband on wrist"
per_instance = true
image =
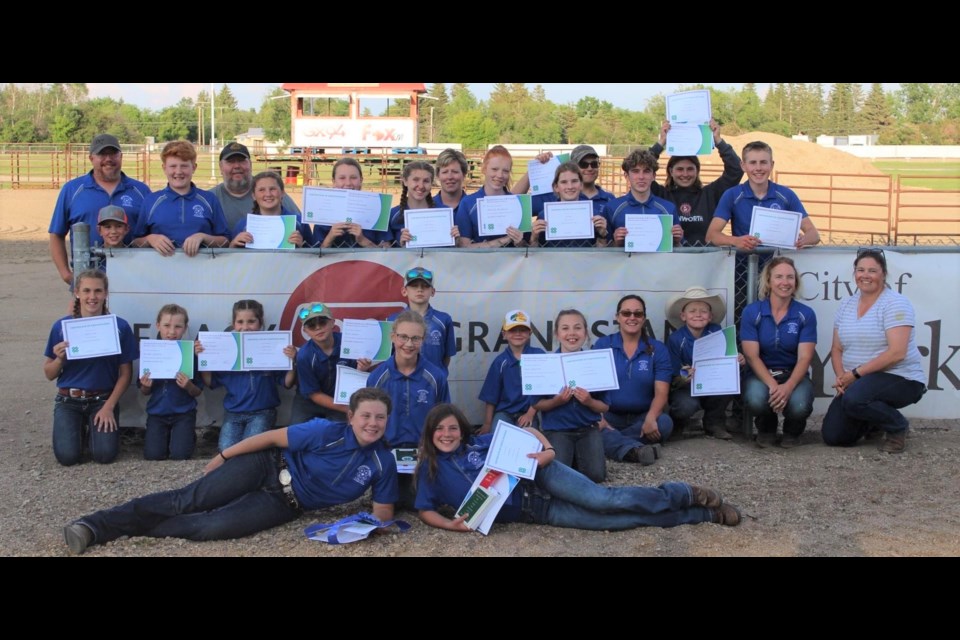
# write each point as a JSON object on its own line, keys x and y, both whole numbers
{"x": 549, "y": 449}
{"x": 856, "y": 374}
{"x": 220, "y": 453}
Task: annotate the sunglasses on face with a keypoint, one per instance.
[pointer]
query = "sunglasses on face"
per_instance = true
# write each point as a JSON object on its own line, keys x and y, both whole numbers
{"x": 422, "y": 274}
{"x": 635, "y": 314}
{"x": 317, "y": 308}
{"x": 589, "y": 164}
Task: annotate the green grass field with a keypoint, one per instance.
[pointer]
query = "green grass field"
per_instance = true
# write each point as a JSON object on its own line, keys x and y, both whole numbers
{"x": 929, "y": 174}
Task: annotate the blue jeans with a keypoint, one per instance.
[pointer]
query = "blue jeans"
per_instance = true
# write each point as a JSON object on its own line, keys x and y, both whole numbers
{"x": 239, "y": 426}
{"x": 567, "y": 498}
{"x": 241, "y": 497}
{"x": 172, "y": 436}
{"x": 72, "y": 419}
{"x": 870, "y": 402}
{"x": 683, "y": 406}
{"x": 756, "y": 395}
{"x": 304, "y": 409}
{"x": 627, "y": 432}
{"x": 581, "y": 449}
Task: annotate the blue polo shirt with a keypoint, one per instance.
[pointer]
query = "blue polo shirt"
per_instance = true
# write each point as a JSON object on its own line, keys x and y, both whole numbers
{"x": 623, "y": 205}
{"x": 439, "y": 341}
{"x": 93, "y": 374}
{"x": 412, "y": 397}
{"x": 778, "y": 342}
{"x": 249, "y": 391}
{"x": 438, "y": 201}
{"x": 636, "y": 374}
{"x": 456, "y": 472}
{"x": 572, "y": 415}
{"x": 329, "y": 467}
{"x": 680, "y": 345}
{"x": 81, "y": 199}
{"x": 167, "y": 398}
{"x": 316, "y": 371}
{"x": 178, "y": 217}
{"x": 599, "y": 209}
{"x": 737, "y": 204}
{"x": 305, "y": 230}
{"x": 346, "y": 240}
{"x": 503, "y": 386}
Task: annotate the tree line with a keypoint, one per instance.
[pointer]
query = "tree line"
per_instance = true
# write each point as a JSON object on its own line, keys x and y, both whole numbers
{"x": 916, "y": 113}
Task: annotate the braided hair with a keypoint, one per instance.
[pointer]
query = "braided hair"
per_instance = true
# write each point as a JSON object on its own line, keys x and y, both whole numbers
{"x": 91, "y": 274}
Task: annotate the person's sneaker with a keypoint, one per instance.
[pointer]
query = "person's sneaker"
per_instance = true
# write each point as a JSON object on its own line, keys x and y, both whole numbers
{"x": 727, "y": 514}
{"x": 78, "y": 537}
{"x": 894, "y": 442}
{"x": 718, "y": 431}
{"x": 644, "y": 455}
{"x": 766, "y": 439}
{"x": 706, "y": 497}
{"x": 789, "y": 442}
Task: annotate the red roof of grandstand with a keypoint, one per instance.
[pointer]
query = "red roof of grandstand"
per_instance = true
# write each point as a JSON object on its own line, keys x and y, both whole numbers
{"x": 370, "y": 87}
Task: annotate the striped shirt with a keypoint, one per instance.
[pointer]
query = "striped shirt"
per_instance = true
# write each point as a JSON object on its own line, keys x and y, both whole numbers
{"x": 863, "y": 339}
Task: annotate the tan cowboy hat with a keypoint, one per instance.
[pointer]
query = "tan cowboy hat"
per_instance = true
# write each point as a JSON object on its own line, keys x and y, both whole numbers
{"x": 676, "y": 304}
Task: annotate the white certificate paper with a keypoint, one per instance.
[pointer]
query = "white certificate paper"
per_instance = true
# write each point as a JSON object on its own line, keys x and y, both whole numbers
{"x": 648, "y": 234}
{"x": 593, "y": 370}
{"x": 91, "y": 337}
{"x": 366, "y": 339}
{"x": 716, "y": 377}
{"x": 776, "y": 227}
{"x": 164, "y": 359}
{"x": 509, "y": 448}
{"x": 541, "y": 174}
{"x": 569, "y": 220}
{"x": 221, "y": 351}
{"x": 689, "y": 140}
{"x": 429, "y": 227}
{"x": 716, "y": 345}
{"x": 270, "y": 232}
{"x": 263, "y": 350}
{"x": 690, "y": 107}
{"x": 496, "y": 213}
{"x": 348, "y": 381}
{"x": 541, "y": 374}
{"x": 332, "y": 206}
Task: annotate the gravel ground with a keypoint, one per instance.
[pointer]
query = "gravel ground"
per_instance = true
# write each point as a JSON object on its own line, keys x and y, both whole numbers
{"x": 808, "y": 501}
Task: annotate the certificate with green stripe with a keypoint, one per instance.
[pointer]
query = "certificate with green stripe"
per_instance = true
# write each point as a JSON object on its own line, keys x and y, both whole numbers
{"x": 221, "y": 351}
{"x": 648, "y": 233}
{"x": 164, "y": 359}
{"x": 366, "y": 339}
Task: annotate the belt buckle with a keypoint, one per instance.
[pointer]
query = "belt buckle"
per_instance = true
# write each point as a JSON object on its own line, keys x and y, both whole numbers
{"x": 285, "y": 477}
{"x": 75, "y": 393}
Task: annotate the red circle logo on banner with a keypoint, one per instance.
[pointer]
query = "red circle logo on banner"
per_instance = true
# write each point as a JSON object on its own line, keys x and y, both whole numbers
{"x": 353, "y": 289}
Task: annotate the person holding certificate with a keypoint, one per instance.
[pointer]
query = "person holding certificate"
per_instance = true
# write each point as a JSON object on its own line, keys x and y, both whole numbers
{"x": 417, "y": 180}
{"x": 875, "y": 359}
{"x": 637, "y": 422}
{"x": 451, "y": 459}
{"x": 778, "y": 335}
{"x": 268, "y": 197}
{"x": 568, "y": 187}
{"x": 496, "y": 168}
{"x": 452, "y": 169}
{"x": 502, "y": 390}
{"x": 180, "y": 215}
{"x": 347, "y": 174}
{"x": 172, "y": 404}
{"x": 87, "y": 402}
{"x": 263, "y": 482}
{"x": 640, "y": 170}
{"x": 695, "y": 201}
{"x": 693, "y": 312}
{"x": 251, "y": 399}
{"x": 571, "y": 419}
{"x": 737, "y": 203}
{"x": 316, "y": 366}
{"x": 415, "y": 386}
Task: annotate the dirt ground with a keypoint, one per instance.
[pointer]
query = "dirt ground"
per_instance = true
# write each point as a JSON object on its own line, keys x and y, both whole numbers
{"x": 810, "y": 501}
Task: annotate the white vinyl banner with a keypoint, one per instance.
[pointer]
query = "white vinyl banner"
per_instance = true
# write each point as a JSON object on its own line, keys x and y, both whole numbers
{"x": 478, "y": 287}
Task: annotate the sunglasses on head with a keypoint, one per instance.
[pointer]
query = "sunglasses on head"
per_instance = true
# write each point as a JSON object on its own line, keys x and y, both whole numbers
{"x": 317, "y": 308}
{"x": 589, "y": 164}
{"x": 870, "y": 251}
{"x": 422, "y": 274}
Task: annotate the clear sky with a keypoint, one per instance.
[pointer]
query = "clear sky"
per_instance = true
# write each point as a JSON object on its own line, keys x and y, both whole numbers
{"x": 628, "y": 95}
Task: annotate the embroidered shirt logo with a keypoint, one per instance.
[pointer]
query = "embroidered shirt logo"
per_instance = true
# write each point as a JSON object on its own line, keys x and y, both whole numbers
{"x": 363, "y": 475}
{"x": 197, "y": 211}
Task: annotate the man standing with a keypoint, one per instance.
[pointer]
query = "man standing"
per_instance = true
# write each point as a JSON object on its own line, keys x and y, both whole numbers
{"x": 235, "y": 193}
{"x": 82, "y": 198}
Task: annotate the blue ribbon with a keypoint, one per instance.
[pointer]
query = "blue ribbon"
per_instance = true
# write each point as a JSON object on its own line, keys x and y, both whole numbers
{"x": 362, "y": 517}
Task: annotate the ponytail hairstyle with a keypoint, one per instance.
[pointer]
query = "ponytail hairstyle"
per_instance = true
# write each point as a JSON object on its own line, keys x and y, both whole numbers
{"x": 91, "y": 274}
{"x": 265, "y": 175}
{"x": 247, "y": 305}
{"x": 409, "y": 168}
{"x": 493, "y": 152}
